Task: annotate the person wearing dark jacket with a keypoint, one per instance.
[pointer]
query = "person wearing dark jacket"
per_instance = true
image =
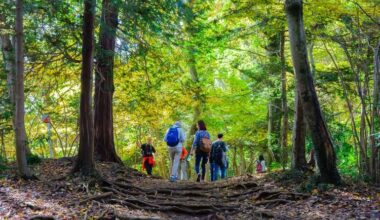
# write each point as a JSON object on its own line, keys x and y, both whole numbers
{"x": 218, "y": 158}
{"x": 147, "y": 151}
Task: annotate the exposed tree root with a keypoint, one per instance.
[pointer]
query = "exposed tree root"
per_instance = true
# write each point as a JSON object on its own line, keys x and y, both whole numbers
{"x": 95, "y": 197}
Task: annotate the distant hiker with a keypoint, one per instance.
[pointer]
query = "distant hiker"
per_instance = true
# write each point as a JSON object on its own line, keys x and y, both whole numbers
{"x": 202, "y": 148}
{"x": 182, "y": 170}
{"x": 218, "y": 158}
{"x": 174, "y": 138}
{"x": 260, "y": 165}
{"x": 147, "y": 151}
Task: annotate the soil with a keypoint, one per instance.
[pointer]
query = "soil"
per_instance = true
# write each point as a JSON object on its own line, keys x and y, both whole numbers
{"x": 123, "y": 193}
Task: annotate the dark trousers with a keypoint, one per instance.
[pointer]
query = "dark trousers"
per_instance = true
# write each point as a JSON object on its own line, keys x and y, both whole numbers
{"x": 201, "y": 157}
{"x": 148, "y": 167}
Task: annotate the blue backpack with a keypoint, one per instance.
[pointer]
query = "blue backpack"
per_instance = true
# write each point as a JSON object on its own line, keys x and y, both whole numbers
{"x": 172, "y": 138}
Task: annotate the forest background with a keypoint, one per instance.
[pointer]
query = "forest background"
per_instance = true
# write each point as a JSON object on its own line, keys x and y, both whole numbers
{"x": 224, "y": 61}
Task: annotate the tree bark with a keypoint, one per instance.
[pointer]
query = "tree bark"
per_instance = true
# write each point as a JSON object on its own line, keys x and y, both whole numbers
{"x": 104, "y": 86}
{"x": 324, "y": 149}
{"x": 285, "y": 124}
{"x": 8, "y": 52}
{"x": 299, "y": 134}
{"x": 85, "y": 161}
{"x": 375, "y": 117}
{"x": 20, "y": 133}
{"x": 3, "y": 151}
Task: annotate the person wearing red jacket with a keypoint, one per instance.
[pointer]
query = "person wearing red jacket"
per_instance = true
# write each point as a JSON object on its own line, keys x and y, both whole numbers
{"x": 147, "y": 151}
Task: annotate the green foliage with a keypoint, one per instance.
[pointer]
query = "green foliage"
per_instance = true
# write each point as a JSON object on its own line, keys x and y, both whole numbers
{"x": 233, "y": 45}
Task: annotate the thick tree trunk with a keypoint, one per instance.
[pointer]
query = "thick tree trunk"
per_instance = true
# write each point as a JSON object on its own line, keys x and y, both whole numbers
{"x": 324, "y": 149}
{"x": 85, "y": 160}
{"x": 20, "y": 133}
{"x": 285, "y": 124}
{"x": 104, "y": 85}
{"x": 299, "y": 134}
{"x": 10, "y": 68}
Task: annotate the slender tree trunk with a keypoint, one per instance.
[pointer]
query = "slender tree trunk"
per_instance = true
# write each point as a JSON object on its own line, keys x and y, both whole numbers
{"x": 234, "y": 161}
{"x": 285, "y": 124}
{"x": 4, "y": 152}
{"x": 311, "y": 56}
{"x": 299, "y": 134}
{"x": 85, "y": 160}
{"x": 324, "y": 149}
{"x": 270, "y": 124}
{"x": 104, "y": 85}
{"x": 375, "y": 117}
{"x": 242, "y": 160}
{"x": 20, "y": 133}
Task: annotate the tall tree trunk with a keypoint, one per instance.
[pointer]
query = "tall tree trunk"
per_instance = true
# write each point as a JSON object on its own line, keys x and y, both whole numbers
{"x": 324, "y": 149}
{"x": 104, "y": 85}
{"x": 299, "y": 135}
{"x": 85, "y": 160}
{"x": 375, "y": 117}
{"x": 285, "y": 124}
{"x": 20, "y": 133}
{"x": 10, "y": 68}
{"x": 270, "y": 124}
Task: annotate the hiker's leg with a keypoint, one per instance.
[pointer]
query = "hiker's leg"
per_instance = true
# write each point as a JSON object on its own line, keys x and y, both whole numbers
{"x": 204, "y": 162}
{"x": 184, "y": 170}
{"x": 198, "y": 158}
{"x": 212, "y": 170}
{"x": 146, "y": 165}
{"x": 149, "y": 169}
{"x": 222, "y": 172}
{"x": 179, "y": 175}
{"x": 216, "y": 174}
{"x": 171, "y": 156}
{"x": 177, "y": 156}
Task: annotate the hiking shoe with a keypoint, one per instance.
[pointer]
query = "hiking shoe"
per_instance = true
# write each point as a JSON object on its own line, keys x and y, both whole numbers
{"x": 199, "y": 178}
{"x": 173, "y": 179}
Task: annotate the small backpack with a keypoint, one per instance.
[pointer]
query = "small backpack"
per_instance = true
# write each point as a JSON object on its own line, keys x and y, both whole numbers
{"x": 205, "y": 145}
{"x": 219, "y": 155}
{"x": 259, "y": 167}
{"x": 172, "y": 138}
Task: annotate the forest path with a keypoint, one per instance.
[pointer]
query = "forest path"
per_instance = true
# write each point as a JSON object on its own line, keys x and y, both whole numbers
{"x": 125, "y": 193}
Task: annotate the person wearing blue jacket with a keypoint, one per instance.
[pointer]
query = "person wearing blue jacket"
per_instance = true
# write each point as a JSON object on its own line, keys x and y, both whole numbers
{"x": 175, "y": 137}
{"x": 200, "y": 156}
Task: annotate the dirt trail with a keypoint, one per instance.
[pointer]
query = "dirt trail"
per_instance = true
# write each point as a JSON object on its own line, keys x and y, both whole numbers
{"x": 125, "y": 193}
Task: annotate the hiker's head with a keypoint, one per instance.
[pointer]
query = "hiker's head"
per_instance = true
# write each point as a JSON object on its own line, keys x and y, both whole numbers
{"x": 178, "y": 124}
{"x": 261, "y": 157}
{"x": 149, "y": 140}
{"x": 201, "y": 125}
{"x": 220, "y": 136}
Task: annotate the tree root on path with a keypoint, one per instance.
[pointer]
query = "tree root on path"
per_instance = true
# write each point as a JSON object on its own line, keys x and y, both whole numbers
{"x": 95, "y": 197}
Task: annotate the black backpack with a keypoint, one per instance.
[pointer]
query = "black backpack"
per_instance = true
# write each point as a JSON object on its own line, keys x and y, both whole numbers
{"x": 219, "y": 154}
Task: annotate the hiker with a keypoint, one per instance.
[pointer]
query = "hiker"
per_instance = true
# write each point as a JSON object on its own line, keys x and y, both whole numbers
{"x": 260, "y": 165}
{"x": 147, "y": 151}
{"x": 174, "y": 138}
{"x": 182, "y": 169}
{"x": 202, "y": 148}
{"x": 218, "y": 158}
